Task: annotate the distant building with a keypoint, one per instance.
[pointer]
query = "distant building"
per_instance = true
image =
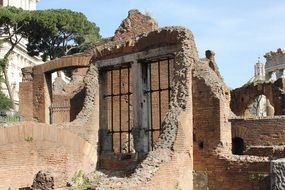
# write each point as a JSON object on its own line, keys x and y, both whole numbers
{"x": 19, "y": 58}
{"x": 24, "y": 4}
{"x": 259, "y": 71}
{"x": 275, "y": 63}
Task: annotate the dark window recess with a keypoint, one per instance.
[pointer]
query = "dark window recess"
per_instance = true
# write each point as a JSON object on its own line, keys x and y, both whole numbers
{"x": 119, "y": 101}
{"x": 201, "y": 144}
{"x": 158, "y": 90}
{"x": 238, "y": 146}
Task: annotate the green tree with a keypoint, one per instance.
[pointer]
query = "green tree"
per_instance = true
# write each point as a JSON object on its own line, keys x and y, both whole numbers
{"x": 57, "y": 32}
{"x": 51, "y": 34}
{"x": 12, "y": 22}
{"x": 5, "y": 102}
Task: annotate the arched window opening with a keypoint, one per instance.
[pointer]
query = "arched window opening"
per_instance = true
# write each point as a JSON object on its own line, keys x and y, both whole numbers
{"x": 260, "y": 107}
{"x": 67, "y": 94}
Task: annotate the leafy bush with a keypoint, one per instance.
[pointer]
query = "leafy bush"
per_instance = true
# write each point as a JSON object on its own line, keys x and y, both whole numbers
{"x": 5, "y": 102}
{"x": 80, "y": 181}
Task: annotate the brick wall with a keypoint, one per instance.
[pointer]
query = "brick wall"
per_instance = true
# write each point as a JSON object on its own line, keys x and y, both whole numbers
{"x": 242, "y": 97}
{"x": 42, "y": 83}
{"x": 135, "y": 25}
{"x": 26, "y": 148}
{"x": 212, "y": 139}
{"x": 76, "y": 103}
{"x": 170, "y": 164}
{"x": 26, "y": 100}
{"x": 21, "y": 161}
{"x": 260, "y": 131}
{"x": 122, "y": 83}
{"x": 60, "y": 109}
{"x": 41, "y": 97}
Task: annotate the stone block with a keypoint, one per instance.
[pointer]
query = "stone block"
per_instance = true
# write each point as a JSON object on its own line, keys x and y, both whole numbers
{"x": 277, "y": 170}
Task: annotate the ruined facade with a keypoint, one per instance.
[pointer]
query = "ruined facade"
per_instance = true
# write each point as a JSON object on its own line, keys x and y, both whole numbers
{"x": 274, "y": 91}
{"x": 150, "y": 114}
{"x": 275, "y": 63}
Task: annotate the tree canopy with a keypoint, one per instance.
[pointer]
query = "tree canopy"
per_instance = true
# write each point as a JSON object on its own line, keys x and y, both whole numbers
{"x": 50, "y": 33}
{"x": 12, "y": 22}
{"x": 57, "y": 32}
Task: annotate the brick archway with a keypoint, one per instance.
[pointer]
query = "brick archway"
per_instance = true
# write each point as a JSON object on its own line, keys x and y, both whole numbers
{"x": 34, "y": 104}
{"x": 78, "y": 60}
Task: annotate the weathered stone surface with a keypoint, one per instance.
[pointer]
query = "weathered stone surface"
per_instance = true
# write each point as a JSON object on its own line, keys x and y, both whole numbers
{"x": 195, "y": 135}
{"x": 200, "y": 181}
{"x": 135, "y": 25}
{"x": 242, "y": 97}
{"x": 275, "y": 63}
{"x": 58, "y": 85}
{"x": 27, "y": 73}
{"x": 277, "y": 168}
{"x": 269, "y": 109}
{"x": 43, "y": 181}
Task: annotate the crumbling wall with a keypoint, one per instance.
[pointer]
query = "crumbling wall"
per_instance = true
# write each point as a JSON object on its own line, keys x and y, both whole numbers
{"x": 173, "y": 149}
{"x": 60, "y": 109}
{"x": 278, "y": 176}
{"x": 170, "y": 165}
{"x": 61, "y": 149}
{"x": 266, "y": 131}
{"x": 37, "y": 81}
{"x": 242, "y": 97}
{"x": 26, "y": 95}
{"x": 134, "y": 25}
{"x": 212, "y": 138}
{"x": 76, "y": 103}
{"x": 27, "y": 148}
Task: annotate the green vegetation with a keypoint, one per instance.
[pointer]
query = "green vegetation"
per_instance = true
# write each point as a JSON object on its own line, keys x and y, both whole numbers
{"x": 12, "y": 21}
{"x": 51, "y": 34}
{"x": 80, "y": 181}
{"x": 257, "y": 176}
{"x": 5, "y": 102}
{"x": 57, "y": 32}
{"x": 29, "y": 139}
{"x": 9, "y": 118}
{"x": 257, "y": 82}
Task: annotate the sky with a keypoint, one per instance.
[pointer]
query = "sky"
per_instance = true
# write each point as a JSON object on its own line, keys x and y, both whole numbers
{"x": 239, "y": 32}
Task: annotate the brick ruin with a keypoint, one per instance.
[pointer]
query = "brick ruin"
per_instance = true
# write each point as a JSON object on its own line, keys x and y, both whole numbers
{"x": 142, "y": 111}
{"x": 275, "y": 63}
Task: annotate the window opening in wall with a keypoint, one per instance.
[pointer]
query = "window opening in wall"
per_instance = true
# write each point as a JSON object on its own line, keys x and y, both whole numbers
{"x": 201, "y": 144}
{"x": 260, "y": 107}
{"x": 64, "y": 104}
{"x": 238, "y": 146}
{"x": 274, "y": 76}
{"x": 118, "y": 97}
{"x": 158, "y": 92}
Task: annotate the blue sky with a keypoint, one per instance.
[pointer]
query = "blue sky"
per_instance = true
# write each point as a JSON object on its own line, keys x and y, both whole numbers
{"x": 238, "y": 31}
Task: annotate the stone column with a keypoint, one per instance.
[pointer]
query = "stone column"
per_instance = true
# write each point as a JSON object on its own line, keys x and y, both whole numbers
{"x": 106, "y": 145}
{"x": 140, "y": 102}
{"x": 26, "y": 95}
{"x": 42, "y": 97}
{"x": 277, "y": 171}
